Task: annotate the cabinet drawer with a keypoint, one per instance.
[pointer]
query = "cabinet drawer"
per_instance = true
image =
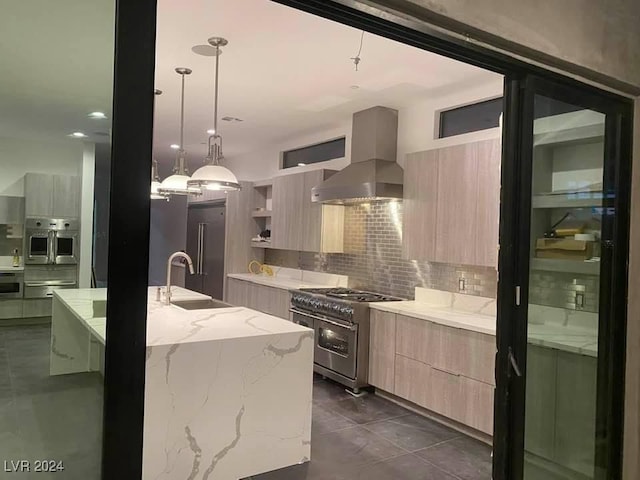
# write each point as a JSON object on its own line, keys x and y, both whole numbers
{"x": 453, "y": 350}
{"x": 454, "y": 396}
{"x": 464, "y": 352}
{"x": 10, "y": 309}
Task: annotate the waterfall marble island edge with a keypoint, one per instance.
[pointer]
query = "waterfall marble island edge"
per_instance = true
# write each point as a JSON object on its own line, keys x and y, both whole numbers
{"x": 214, "y": 403}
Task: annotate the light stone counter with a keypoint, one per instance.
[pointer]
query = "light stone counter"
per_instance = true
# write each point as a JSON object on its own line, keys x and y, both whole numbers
{"x": 228, "y": 391}
{"x": 291, "y": 278}
{"x": 571, "y": 331}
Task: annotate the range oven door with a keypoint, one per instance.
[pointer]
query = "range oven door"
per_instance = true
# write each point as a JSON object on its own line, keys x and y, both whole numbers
{"x": 336, "y": 342}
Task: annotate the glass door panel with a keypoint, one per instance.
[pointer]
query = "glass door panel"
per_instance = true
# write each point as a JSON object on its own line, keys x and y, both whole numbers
{"x": 566, "y": 217}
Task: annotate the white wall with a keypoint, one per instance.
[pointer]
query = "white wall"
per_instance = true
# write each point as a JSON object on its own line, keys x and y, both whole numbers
{"x": 86, "y": 214}
{"x": 417, "y": 129}
{"x": 19, "y": 156}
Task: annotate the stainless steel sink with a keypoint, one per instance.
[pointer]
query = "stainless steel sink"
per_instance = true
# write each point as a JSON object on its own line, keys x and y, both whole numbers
{"x": 200, "y": 304}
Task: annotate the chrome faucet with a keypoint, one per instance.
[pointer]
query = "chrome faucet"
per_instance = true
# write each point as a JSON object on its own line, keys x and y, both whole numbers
{"x": 167, "y": 299}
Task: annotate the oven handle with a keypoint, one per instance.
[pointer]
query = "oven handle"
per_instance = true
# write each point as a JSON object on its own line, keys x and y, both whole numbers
{"x": 53, "y": 283}
{"x": 346, "y": 326}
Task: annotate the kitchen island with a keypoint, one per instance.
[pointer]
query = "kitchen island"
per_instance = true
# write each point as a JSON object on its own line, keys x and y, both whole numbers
{"x": 228, "y": 390}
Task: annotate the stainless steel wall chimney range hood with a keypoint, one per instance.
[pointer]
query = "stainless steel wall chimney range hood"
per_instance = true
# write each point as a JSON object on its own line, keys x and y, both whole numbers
{"x": 373, "y": 173}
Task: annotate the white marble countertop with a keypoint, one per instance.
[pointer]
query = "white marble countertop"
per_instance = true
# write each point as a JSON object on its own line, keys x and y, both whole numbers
{"x": 170, "y": 324}
{"x": 289, "y": 278}
{"x": 567, "y": 338}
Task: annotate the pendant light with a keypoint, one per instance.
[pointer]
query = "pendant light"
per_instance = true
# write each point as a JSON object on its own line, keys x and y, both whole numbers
{"x": 155, "y": 178}
{"x": 176, "y": 184}
{"x": 212, "y": 175}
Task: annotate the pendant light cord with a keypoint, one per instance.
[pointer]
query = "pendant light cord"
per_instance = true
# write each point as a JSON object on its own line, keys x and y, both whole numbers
{"x": 182, "y": 116}
{"x": 215, "y": 99}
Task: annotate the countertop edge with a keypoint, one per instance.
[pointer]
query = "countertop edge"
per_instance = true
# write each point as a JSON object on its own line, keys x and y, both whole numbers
{"x": 269, "y": 282}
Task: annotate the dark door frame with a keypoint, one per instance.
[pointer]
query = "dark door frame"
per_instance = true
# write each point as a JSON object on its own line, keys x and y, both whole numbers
{"x": 514, "y": 271}
{"x": 132, "y": 128}
{"x": 129, "y": 204}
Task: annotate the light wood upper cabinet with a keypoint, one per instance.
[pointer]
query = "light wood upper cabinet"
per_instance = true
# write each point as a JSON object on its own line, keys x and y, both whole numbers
{"x": 286, "y": 219}
{"x": 38, "y": 195}
{"x": 54, "y": 196}
{"x": 66, "y": 196}
{"x": 299, "y": 224}
{"x": 452, "y": 204}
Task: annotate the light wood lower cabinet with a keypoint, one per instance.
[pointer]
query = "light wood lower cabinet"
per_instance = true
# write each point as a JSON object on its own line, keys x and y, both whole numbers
{"x": 447, "y": 370}
{"x": 37, "y": 307}
{"x": 270, "y": 300}
{"x": 382, "y": 350}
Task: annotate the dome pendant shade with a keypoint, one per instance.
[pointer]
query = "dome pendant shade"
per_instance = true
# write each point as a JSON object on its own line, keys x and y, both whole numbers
{"x": 176, "y": 184}
{"x": 214, "y": 177}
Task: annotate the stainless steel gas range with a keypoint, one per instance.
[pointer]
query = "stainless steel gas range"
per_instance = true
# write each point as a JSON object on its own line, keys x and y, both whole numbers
{"x": 340, "y": 319}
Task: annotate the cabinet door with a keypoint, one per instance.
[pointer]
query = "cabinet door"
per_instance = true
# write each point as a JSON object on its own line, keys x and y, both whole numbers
{"x": 488, "y": 203}
{"x": 477, "y": 404}
{"x": 37, "y": 307}
{"x": 66, "y": 196}
{"x": 310, "y": 240}
{"x": 38, "y": 193}
{"x": 576, "y": 411}
{"x": 541, "y": 401}
{"x": 287, "y": 217}
{"x": 420, "y": 201}
{"x": 456, "y": 216}
{"x": 382, "y": 350}
{"x": 237, "y": 292}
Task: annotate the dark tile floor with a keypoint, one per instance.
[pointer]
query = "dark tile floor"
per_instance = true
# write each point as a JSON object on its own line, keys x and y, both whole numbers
{"x": 45, "y": 417}
{"x": 371, "y": 438}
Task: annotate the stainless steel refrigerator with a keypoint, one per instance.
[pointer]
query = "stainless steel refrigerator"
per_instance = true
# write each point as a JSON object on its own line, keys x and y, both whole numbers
{"x": 205, "y": 245}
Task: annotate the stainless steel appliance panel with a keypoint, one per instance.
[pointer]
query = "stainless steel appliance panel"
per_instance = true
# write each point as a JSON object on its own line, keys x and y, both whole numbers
{"x": 45, "y": 289}
{"x": 205, "y": 245}
{"x": 11, "y": 284}
{"x": 65, "y": 247}
{"x": 51, "y": 241}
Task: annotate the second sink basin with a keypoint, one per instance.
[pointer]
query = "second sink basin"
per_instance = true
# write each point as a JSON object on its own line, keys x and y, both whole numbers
{"x": 200, "y": 304}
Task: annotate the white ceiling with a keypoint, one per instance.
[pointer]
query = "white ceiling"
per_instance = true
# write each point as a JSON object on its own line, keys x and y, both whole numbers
{"x": 284, "y": 72}
{"x": 57, "y": 62}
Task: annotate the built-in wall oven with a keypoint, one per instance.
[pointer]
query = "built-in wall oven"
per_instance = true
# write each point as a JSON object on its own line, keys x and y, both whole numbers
{"x": 11, "y": 285}
{"x": 51, "y": 241}
{"x": 339, "y": 318}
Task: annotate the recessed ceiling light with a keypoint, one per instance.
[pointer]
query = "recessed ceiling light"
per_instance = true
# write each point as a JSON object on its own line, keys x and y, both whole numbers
{"x": 211, "y": 131}
{"x": 97, "y": 115}
{"x": 302, "y": 164}
{"x": 77, "y": 135}
{"x": 175, "y": 146}
{"x": 354, "y": 87}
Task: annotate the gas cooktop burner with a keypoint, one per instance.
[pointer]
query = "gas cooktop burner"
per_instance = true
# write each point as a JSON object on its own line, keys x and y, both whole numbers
{"x": 351, "y": 295}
